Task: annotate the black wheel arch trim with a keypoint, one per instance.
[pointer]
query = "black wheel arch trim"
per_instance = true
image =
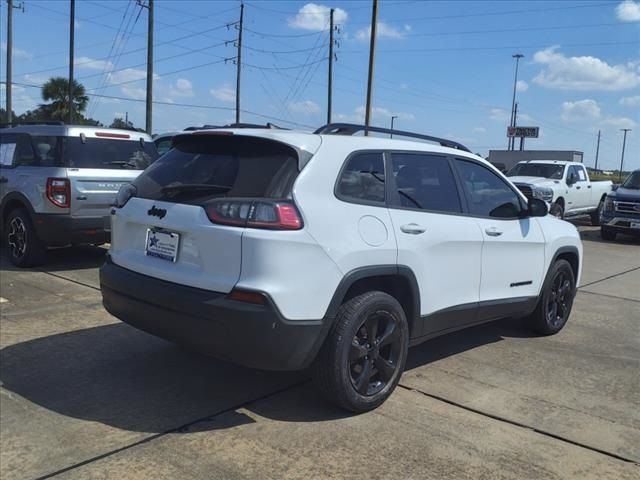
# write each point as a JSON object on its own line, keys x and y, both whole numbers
{"x": 15, "y": 196}
{"x": 562, "y": 251}
{"x": 362, "y": 273}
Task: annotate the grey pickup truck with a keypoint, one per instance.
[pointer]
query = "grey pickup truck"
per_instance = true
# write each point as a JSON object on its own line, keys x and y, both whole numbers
{"x": 58, "y": 182}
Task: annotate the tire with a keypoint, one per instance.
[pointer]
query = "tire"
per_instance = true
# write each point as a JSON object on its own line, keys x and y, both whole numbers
{"x": 557, "y": 210}
{"x": 556, "y": 299}
{"x": 607, "y": 234}
{"x": 24, "y": 249}
{"x": 595, "y": 215}
{"x": 349, "y": 369}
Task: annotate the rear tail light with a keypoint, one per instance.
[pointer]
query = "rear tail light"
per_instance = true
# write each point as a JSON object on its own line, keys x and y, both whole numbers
{"x": 272, "y": 215}
{"x": 59, "y": 192}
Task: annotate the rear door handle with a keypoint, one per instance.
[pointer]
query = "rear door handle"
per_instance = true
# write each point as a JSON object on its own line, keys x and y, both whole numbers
{"x": 589, "y": 186}
{"x": 412, "y": 229}
{"x": 493, "y": 232}
{"x": 578, "y": 187}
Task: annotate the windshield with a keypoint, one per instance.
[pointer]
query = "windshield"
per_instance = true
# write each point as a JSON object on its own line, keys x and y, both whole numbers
{"x": 107, "y": 153}
{"x": 543, "y": 170}
{"x": 632, "y": 181}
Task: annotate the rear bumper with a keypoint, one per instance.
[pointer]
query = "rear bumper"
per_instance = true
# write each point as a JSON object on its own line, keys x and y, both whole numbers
{"x": 255, "y": 336}
{"x": 620, "y": 223}
{"x": 55, "y": 229}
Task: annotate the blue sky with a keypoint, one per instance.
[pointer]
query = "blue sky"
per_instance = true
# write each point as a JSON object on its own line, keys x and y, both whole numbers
{"x": 442, "y": 67}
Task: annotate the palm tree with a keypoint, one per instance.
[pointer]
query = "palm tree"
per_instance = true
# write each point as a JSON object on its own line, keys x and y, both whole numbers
{"x": 56, "y": 90}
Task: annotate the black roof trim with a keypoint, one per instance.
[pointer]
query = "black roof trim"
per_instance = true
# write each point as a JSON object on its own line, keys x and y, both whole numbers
{"x": 352, "y": 129}
{"x": 234, "y": 125}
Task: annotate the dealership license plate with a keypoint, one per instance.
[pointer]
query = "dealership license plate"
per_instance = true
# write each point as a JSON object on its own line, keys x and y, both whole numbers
{"x": 162, "y": 244}
{"x": 635, "y": 225}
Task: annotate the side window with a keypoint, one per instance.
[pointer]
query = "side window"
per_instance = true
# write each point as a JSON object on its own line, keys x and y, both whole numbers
{"x": 164, "y": 146}
{"x": 488, "y": 194}
{"x": 48, "y": 150}
{"x": 582, "y": 176}
{"x": 362, "y": 180}
{"x": 16, "y": 150}
{"x": 426, "y": 182}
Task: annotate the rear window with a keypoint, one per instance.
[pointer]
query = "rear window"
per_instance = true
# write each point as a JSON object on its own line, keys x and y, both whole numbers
{"x": 107, "y": 153}
{"x": 198, "y": 169}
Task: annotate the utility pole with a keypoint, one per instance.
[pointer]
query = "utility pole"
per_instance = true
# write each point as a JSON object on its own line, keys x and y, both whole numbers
{"x": 149, "y": 116}
{"x": 512, "y": 140}
{"x": 239, "y": 62}
{"x": 72, "y": 19}
{"x": 393, "y": 117}
{"x": 597, "y": 151}
{"x": 330, "y": 80}
{"x": 624, "y": 142}
{"x": 372, "y": 50}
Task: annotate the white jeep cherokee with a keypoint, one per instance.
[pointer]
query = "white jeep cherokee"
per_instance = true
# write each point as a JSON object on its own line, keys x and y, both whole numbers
{"x": 283, "y": 250}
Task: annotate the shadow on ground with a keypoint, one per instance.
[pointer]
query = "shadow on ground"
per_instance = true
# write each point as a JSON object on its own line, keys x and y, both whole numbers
{"x": 61, "y": 259}
{"x": 122, "y": 377}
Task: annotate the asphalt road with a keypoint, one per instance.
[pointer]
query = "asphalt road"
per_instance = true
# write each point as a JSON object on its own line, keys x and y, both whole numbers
{"x": 85, "y": 396}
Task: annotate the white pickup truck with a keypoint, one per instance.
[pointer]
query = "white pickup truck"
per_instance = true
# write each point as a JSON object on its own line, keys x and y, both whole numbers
{"x": 564, "y": 185}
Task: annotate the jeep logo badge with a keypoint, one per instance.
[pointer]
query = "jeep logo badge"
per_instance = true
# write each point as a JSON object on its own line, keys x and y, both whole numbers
{"x": 157, "y": 212}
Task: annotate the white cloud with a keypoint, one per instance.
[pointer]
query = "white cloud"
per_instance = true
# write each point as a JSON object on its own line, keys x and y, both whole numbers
{"x": 380, "y": 116}
{"x": 522, "y": 86}
{"x": 628, "y": 11}
{"x": 35, "y": 79}
{"x": 18, "y": 54}
{"x": 182, "y": 88}
{"x": 499, "y": 114}
{"x": 630, "y": 101}
{"x": 224, "y": 93}
{"x": 479, "y": 130}
{"x": 583, "y": 73}
{"x": 316, "y": 17}
{"x": 619, "y": 122}
{"x": 305, "y": 106}
{"x": 92, "y": 63}
{"x": 581, "y": 110}
{"x": 383, "y": 30}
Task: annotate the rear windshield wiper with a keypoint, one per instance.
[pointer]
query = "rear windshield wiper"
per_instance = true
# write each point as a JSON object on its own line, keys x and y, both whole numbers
{"x": 190, "y": 187}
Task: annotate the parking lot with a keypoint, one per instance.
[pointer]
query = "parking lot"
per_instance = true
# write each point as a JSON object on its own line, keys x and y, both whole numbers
{"x": 85, "y": 396}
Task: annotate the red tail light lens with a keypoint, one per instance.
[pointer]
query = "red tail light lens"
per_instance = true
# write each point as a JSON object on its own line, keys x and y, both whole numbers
{"x": 273, "y": 215}
{"x": 59, "y": 192}
{"x": 247, "y": 297}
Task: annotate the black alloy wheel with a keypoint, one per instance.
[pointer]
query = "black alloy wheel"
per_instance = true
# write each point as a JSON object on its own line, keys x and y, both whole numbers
{"x": 556, "y": 299}
{"x": 23, "y": 245}
{"x": 559, "y": 300}
{"x": 363, "y": 356}
{"x": 375, "y": 353}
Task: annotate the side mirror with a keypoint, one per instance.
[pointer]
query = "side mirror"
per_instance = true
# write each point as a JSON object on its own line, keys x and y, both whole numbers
{"x": 537, "y": 208}
{"x": 572, "y": 179}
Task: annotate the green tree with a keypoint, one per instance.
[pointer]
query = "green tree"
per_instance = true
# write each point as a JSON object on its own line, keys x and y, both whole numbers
{"x": 120, "y": 123}
{"x": 56, "y": 91}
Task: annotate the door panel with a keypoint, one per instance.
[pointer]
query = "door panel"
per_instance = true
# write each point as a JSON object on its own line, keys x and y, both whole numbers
{"x": 579, "y": 194}
{"x": 513, "y": 246}
{"x": 441, "y": 245}
{"x": 512, "y": 258}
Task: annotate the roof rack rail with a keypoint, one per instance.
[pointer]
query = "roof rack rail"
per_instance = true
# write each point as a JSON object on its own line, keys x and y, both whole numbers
{"x": 43, "y": 122}
{"x": 234, "y": 125}
{"x": 352, "y": 128}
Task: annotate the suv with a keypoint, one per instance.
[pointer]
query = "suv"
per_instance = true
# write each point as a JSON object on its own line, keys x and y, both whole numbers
{"x": 621, "y": 213}
{"x": 58, "y": 182}
{"x": 282, "y": 250}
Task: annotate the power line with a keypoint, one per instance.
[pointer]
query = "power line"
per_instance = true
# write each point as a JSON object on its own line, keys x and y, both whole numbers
{"x": 185, "y": 105}
{"x": 298, "y": 35}
{"x": 496, "y": 13}
{"x": 521, "y": 29}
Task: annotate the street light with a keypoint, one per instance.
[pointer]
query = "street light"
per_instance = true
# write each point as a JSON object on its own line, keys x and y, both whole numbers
{"x": 393, "y": 117}
{"x": 624, "y": 142}
{"x": 512, "y": 140}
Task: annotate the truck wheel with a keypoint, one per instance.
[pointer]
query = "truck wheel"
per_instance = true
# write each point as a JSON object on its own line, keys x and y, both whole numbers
{"x": 556, "y": 299}
{"x": 557, "y": 210}
{"x": 595, "y": 215}
{"x": 607, "y": 234}
{"x": 363, "y": 357}
{"x": 23, "y": 246}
